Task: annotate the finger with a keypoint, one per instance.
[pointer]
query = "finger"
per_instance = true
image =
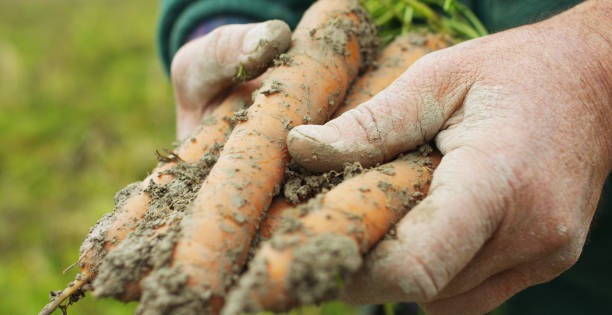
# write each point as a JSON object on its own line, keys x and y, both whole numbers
{"x": 497, "y": 289}
{"x": 557, "y": 240}
{"x": 439, "y": 237}
{"x": 511, "y": 250}
{"x": 207, "y": 66}
{"x": 407, "y": 113}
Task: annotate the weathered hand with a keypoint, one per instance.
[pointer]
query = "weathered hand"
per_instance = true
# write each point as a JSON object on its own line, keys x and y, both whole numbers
{"x": 524, "y": 120}
{"x": 204, "y": 69}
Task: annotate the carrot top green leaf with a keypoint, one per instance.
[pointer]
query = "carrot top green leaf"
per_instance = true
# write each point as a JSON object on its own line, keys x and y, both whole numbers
{"x": 449, "y": 17}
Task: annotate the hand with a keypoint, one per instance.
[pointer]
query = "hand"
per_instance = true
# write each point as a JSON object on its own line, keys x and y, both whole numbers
{"x": 524, "y": 120}
{"x": 204, "y": 69}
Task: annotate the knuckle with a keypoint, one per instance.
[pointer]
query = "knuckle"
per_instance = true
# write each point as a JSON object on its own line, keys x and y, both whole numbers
{"x": 560, "y": 232}
{"x": 566, "y": 256}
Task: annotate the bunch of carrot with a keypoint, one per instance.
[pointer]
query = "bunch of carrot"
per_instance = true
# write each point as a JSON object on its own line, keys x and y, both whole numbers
{"x": 234, "y": 200}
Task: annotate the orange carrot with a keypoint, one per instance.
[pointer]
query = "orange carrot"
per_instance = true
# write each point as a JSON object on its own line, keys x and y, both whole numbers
{"x": 328, "y": 48}
{"x": 307, "y": 260}
{"x": 277, "y": 289}
{"x": 115, "y": 227}
{"x": 392, "y": 62}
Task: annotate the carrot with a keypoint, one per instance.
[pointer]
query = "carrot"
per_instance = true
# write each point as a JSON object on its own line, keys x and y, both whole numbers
{"x": 308, "y": 259}
{"x": 392, "y": 62}
{"x": 329, "y": 45}
{"x": 115, "y": 227}
{"x": 212, "y": 133}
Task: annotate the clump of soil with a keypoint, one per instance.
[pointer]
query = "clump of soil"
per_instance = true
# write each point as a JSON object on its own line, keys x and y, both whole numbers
{"x": 317, "y": 272}
{"x": 151, "y": 244}
{"x": 301, "y": 184}
{"x": 320, "y": 267}
{"x": 165, "y": 291}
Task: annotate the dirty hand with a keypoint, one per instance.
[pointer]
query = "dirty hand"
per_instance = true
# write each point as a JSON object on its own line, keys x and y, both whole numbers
{"x": 524, "y": 120}
{"x": 203, "y": 69}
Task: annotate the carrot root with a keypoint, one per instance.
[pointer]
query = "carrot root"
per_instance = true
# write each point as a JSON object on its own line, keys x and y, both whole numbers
{"x": 72, "y": 293}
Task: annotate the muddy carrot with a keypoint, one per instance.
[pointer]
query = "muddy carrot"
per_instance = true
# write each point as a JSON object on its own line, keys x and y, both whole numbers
{"x": 214, "y": 129}
{"x": 391, "y": 63}
{"x": 307, "y": 260}
{"x": 282, "y": 292}
{"x": 133, "y": 201}
{"x": 332, "y": 41}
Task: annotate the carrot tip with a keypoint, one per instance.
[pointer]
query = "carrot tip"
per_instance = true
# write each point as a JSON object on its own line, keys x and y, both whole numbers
{"x": 74, "y": 292}
{"x": 316, "y": 272}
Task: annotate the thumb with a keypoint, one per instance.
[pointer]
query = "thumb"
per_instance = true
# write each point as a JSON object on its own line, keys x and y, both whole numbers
{"x": 204, "y": 68}
{"x": 409, "y": 112}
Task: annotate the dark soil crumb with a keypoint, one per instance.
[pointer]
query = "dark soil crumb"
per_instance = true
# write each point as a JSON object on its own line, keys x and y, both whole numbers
{"x": 283, "y": 60}
{"x": 300, "y": 184}
{"x": 272, "y": 88}
{"x": 320, "y": 268}
{"x": 287, "y": 123}
{"x": 240, "y": 115}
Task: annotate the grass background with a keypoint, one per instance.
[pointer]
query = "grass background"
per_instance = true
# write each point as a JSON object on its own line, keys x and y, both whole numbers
{"x": 84, "y": 103}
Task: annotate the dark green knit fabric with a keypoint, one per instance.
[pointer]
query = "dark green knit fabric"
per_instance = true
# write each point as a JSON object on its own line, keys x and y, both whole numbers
{"x": 499, "y": 15}
{"x": 178, "y": 18}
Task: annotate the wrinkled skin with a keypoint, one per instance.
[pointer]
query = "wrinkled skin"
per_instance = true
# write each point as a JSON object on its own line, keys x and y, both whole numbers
{"x": 524, "y": 120}
{"x": 204, "y": 69}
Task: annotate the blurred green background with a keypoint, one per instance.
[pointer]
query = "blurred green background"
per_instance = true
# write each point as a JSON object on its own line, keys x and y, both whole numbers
{"x": 84, "y": 103}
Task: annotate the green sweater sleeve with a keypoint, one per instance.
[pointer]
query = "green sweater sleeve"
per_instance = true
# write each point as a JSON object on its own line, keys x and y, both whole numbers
{"x": 498, "y": 15}
{"x": 178, "y": 18}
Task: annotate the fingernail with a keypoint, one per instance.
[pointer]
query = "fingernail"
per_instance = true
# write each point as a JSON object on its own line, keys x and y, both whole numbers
{"x": 321, "y": 134}
{"x": 266, "y": 31}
